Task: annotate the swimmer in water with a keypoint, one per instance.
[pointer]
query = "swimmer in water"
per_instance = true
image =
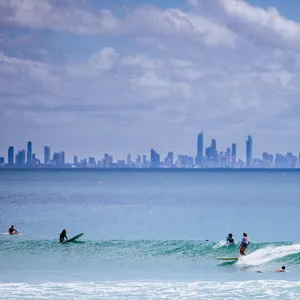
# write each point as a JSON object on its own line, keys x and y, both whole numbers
{"x": 244, "y": 244}
{"x": 230, "y": 239}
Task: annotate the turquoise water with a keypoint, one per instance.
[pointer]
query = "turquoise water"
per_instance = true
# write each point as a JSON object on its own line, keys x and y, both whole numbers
{"x": 148, "y": 234}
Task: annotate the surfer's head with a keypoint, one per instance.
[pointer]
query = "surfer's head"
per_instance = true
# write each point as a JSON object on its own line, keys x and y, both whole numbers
{"x": 64, "y": 231}
{"x": 12, "y": 226}
{"x": 283, "y": 267}
{"x": 230, "y": 235}
{"x": 245, "y": 234}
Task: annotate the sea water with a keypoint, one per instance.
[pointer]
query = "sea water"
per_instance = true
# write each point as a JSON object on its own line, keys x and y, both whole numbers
{"x": 149, "y": 234}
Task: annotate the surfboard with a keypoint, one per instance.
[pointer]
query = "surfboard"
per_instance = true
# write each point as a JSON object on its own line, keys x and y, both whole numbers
{"x": 227, "y": 258}
{"x": 74, "y": 238}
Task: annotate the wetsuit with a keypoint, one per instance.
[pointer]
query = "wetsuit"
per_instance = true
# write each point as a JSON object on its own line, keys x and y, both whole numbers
{"x": 230, "y": 240}
{"x": 11, "y": 230}
{"x": 62, "y": 237}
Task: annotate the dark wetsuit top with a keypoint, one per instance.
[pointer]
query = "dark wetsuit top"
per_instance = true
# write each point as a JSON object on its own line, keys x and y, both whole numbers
{"x": 62, "y": 237}
{"x": 230, "y": 240}
{"x": 11, "y": 230}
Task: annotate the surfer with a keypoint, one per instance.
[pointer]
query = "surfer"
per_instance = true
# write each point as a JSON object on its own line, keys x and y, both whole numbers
{"x": 63, "y": 235}
{"x": 281, "y": 270}
{"x": 278, "y": 270}
{"x": 230, "y": 239}
{"x": 244, "y": 244}
{"x": 12, "y": 230}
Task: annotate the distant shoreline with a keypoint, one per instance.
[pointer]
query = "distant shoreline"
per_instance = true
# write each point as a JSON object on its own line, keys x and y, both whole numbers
{"x": 201, "y": 170}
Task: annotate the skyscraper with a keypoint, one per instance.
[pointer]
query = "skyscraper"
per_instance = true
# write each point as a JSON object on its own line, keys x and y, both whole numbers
{"x": 11, "y": 150}
{"x": 75, "y": 163}
{"x": 214, "y": 150}
{"x": 169, "y": 161}
{"x": 47, "y": 155}
{"x": 227, "y": 157}
{"x": 61, "y": 158}
{"x": 199, "y": 156}
{"x": 249, "y": 152}
{"x": 20, "y": 158}
{"x": 56, "y": 158}
{"x": 29, "y": 153}
{"x": 154, "y": 159}
{"x": 233, "y": 155}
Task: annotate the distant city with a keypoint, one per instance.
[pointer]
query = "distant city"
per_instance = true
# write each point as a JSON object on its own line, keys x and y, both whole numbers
{"x": 204, "y": 158}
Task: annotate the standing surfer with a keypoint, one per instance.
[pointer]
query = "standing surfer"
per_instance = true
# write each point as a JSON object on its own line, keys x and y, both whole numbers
{"x": 244, "y": 244}
{"x": 63, "y": 235}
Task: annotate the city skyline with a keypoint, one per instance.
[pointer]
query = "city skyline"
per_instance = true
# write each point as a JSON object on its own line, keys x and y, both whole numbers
{"x": 205, "y": 157}
{"x": 115, "y": 79}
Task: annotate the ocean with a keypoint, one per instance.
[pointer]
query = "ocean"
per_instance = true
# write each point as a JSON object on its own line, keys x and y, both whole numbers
{"x": 149, "y": 234}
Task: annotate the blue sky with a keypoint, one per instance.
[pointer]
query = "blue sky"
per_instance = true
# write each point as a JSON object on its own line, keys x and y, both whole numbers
{"x": 91, "y": 77}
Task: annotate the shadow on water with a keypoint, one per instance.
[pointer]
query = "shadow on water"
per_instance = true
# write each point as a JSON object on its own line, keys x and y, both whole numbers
{"x": 227, "y": 263}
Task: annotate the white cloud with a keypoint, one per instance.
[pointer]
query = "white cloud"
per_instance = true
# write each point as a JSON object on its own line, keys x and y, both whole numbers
{"x": 143, "y": 61}
{"x": 104, "y": 59}
{"x": 218, "y": 66}
{"x": 57, "y": 15}
{"x": 253, "y": 23}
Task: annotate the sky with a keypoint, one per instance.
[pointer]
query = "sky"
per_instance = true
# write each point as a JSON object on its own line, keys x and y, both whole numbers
{"x": 92, "y": 77}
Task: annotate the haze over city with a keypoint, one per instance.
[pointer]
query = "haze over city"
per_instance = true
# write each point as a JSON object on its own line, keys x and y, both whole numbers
{"x": 92, "y": 78}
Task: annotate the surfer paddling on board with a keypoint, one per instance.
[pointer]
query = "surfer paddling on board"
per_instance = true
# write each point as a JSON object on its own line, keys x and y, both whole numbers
{"x": 12, "y": 230}
{"x": 244, "y": 244}
{"x": 63, "y": 235}
{"x": 230, "y": 239}
{"x": 281, "y": 270}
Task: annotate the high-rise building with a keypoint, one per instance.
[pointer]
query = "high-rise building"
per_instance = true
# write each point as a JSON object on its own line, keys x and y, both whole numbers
{"x": 249, "y": 152}
{"x": 56, "y": 159}
{"x": 29, "y": 153}
{"x": 129, "y": 161}
{"x": 62, "y": 157}
{"x": 199, "y": 156}
{"x": 1, "y": 161}
{"x": 92, "y": 162}
{"x": 75, "y": 161}
{"x": 154, "y": 159}
{"x": 144, "y": 160}
{"x": 59, "y": 158}
{"x": 47, "y": 155}
{"x": 11, "y": 150}
{"x": 214, "y": 150}
{"x": 169, "y": 160}
{"x": 20, "y": 158}
{"x": 227, "y": 157}
{"x": 138, "y": 161}
{"x": 233, "y": 155}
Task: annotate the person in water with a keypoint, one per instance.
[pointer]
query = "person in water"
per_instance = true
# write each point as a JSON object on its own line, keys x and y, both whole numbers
{"x": 281, "y": 270}
{"x": 244, "y": 244}
{"x": 278, "y": 270}
{"x": 230, "y": 239}
{"x": 63, "y": 235}
{"x": 12, "y": 230}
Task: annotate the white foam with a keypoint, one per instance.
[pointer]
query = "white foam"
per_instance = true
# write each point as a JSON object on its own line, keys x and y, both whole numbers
{"x": 220, "y": 244}
{"x": 11, "y": 234}
{"x": 262, "y": 289}
{"x": 268, "y": 254}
